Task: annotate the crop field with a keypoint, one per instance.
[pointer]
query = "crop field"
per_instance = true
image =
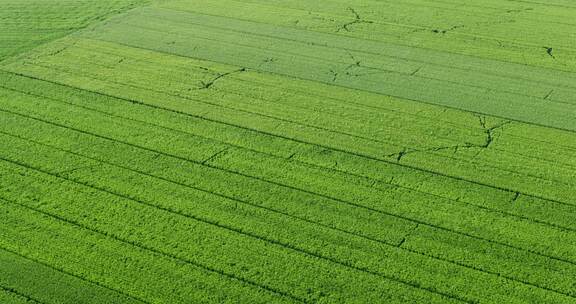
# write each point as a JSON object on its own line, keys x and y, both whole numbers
{"x": 267, "y": 151}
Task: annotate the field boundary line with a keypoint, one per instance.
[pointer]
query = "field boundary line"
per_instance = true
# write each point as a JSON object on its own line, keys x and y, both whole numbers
{"x": 96, "y": 19}
{"x": 370, "y": 68}
{"x": 367, "y": 107}
{"x": 380, "y": 41}
{"x": 394, "y": 24}
{"x": 374, "y": 107}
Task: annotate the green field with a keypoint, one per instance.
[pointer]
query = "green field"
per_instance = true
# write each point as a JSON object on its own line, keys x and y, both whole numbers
{"x": 267, "y": 151}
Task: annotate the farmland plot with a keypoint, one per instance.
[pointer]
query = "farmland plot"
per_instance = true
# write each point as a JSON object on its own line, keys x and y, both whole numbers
{"x": 254, "y": 151}
{"x": 26, "y": 24}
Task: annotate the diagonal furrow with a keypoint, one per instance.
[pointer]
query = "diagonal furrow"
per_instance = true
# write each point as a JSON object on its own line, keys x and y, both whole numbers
{"x": 274, "y": 241}
{"x": 82, "y": 278}
{"x": 221, "y": 226}
{"x": 331, "y": 198}
{"x": 28, "y": 298}
{"x": 154, "y": 251}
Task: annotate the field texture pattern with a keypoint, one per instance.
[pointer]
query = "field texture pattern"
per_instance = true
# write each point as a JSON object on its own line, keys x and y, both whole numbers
{"x": 294, "y": 151}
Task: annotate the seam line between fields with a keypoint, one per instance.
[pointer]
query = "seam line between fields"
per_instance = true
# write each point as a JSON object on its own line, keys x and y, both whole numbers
{"x": 332, "y": 84}
{"x": 383, "y": 71}
{"x": 430, "y": 149}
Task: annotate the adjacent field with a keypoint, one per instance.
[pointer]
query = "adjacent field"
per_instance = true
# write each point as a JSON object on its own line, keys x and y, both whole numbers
{"x": 252, "y": 151}
{"x": 26, "y": 24}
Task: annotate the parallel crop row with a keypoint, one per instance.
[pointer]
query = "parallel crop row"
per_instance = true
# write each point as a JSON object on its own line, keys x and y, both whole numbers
{"x": 189, "y": 172}
{"x": 37, "y": 282}
{"x": 97, "y": 257}
{"x": 273, "y": 267}
{"x": 485, "y": 154}
{"x": 236, "y": 160}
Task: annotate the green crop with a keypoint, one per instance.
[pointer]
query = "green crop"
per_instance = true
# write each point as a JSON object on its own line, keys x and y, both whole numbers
{"x": 250, "y": 151}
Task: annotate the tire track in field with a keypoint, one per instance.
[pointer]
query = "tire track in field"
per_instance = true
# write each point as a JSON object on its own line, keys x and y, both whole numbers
{"x": 278, "y": 242}
{"x": 304, "y": 164}
{"x": 265, "y": 181}
{"x": 225, "y": 227}
{"x": 145, "y": 248}
{"x": 337, "y": 200}
{"x": 239, "y": 110}
{"x": 320, "y": 127}
{"x": 224, "y": 196}
{"x": 429, "y": 150}
{"x": 329, "y": 148}
{"x": 362, "y": 105}
{"x": 367, "y": 106}
{"x": 28, "y": 298}
{"x": 217, "y": 105}
{"x": 513, "y": 192}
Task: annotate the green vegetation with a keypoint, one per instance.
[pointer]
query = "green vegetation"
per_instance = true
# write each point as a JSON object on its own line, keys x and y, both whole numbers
{"x": 25, "y": 24}
{"x": 181, "y": 151}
